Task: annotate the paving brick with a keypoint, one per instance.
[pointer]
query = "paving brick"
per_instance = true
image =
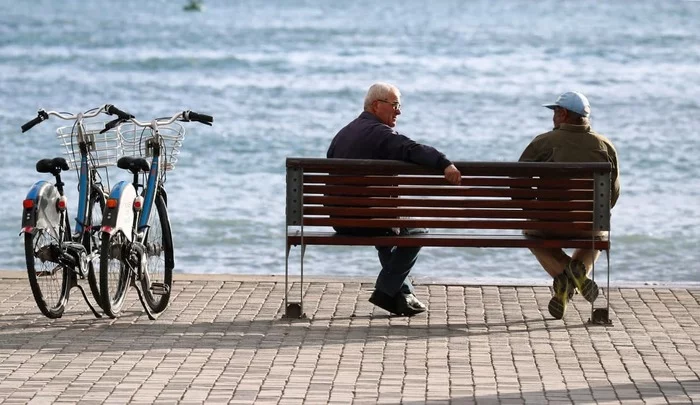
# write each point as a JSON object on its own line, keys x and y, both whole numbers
{"x": 223, "y": 340}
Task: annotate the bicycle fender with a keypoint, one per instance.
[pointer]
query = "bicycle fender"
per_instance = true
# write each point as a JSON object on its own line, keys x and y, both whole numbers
{"x": 44, "y": 212}
{"x": 121, "y": 216}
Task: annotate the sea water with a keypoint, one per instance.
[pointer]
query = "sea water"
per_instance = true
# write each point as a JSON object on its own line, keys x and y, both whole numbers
{"x": 282, "y": 77}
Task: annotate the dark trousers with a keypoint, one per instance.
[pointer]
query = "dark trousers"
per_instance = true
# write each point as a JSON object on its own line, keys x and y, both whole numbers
{"x": 396, "y": 262}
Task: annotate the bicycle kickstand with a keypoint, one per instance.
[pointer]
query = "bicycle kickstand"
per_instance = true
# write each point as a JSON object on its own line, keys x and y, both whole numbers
{"x": 74, "y": 284}
{"x": 150, "y": 314}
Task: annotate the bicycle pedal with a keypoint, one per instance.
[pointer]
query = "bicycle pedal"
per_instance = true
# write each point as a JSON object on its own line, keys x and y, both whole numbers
{"x": 159, "y": 288}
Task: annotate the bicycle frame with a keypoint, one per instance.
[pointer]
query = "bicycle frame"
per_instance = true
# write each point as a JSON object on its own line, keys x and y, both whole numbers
{"x": 153, "y": 182}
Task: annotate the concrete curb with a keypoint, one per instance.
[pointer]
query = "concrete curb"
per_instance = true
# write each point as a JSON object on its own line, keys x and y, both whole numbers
{"x": 475, "y": 281}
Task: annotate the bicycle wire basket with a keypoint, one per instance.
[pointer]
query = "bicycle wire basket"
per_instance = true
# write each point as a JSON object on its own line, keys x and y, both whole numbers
{"x": 138, "y": 141}
{"x": 104, "y": 149}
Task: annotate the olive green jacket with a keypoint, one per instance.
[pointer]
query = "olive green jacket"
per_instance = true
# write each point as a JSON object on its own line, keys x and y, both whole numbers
{"x": 574, "y": 143}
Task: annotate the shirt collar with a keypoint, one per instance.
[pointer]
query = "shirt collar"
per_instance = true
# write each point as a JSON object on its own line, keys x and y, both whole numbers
{"x": 369, "y": 116}
{"x": 574, "y": 128}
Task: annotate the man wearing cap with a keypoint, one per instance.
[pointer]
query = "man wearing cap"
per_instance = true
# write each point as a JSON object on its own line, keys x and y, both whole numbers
{"x": 372, "y": 136}
{"x": 571, "y": 140}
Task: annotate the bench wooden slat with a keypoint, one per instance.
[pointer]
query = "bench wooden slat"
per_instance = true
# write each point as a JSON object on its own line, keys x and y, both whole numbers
{"x": 447, "y": 223}
{"x": 578, "y": 205}
{"x": 387, "y": 212}
{"x": 448, "y": 191}
{"x": 565, "y": 183}
{"x": 444, "y": 240}
{"x": 374, "y": 167}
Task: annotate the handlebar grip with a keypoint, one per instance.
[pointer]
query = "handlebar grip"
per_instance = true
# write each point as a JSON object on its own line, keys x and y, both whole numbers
{"x": 119, "y": 113}
{"x": 203, "y": 118}
{"x": 42, "y": 115}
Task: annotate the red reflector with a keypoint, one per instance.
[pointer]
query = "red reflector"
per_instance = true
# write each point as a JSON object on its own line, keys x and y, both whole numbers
{"x": 137, "y": 204}
{"x": 28, "y": 204}
{"x": 107, "y": 229}
{"x": 112, "y": 203}
{"x": 61, "y": 204}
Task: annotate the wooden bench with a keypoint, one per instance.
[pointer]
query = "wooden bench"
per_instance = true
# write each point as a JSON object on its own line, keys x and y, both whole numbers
{"x": 495, "y": 202}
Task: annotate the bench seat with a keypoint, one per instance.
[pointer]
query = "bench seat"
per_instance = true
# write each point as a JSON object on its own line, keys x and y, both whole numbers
{"x": 294, "y": 238}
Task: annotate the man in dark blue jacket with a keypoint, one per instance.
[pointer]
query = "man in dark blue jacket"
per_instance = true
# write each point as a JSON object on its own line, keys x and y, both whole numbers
{"x": 371, "y": 136}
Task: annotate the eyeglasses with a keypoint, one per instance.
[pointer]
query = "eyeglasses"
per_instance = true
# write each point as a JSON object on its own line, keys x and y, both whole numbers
{"x": 396, "y": 105}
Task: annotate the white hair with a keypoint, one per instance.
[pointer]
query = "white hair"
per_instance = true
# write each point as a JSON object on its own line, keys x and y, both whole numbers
{"x": 379, "y": 91}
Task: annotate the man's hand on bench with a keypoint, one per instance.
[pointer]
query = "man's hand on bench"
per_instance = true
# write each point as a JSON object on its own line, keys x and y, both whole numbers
{"x": 453, "y": 175}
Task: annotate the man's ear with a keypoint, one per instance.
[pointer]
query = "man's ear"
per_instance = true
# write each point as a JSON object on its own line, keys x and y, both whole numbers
{"x": 373, "y": 107}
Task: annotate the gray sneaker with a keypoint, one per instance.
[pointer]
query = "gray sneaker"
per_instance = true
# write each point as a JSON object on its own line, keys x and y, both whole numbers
{"x": 576, "y": 271}
{"x": 563, "y": 290}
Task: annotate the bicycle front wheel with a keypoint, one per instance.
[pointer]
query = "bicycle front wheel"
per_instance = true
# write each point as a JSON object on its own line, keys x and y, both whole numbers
{"x": 48, "y": 278}
{"x": 157, "y": 278}
{"x": 115, "y": 273}
{"x": 92, "y": 240}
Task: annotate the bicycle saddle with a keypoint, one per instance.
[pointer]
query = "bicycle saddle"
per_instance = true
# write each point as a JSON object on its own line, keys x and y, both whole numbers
{"x": 133, "y": 164}
{"x": 53, "y": 166}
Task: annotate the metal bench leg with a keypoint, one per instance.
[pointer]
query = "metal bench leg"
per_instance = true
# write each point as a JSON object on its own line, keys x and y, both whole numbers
{"x": 601, "y": 316}
{"x": 286, "y": 277}
{"x": 294, "y": 310}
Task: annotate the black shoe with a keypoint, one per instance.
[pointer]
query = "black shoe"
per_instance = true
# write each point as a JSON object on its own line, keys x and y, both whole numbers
{"x": 384, "y": 302}
{"x": 404, "y": 307}
{"x": 414, "y": 303}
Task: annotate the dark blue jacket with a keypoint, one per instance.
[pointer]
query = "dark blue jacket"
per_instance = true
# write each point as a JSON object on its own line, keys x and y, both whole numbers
{"x": 368, "y": 138}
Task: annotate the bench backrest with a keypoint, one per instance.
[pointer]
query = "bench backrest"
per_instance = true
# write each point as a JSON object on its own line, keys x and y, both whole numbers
{"x": 493, "y": 195}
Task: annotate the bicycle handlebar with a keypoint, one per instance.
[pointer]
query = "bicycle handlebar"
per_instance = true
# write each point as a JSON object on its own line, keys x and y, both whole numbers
{"x": 107, "y": 108}
{"x": 186, "y": 116}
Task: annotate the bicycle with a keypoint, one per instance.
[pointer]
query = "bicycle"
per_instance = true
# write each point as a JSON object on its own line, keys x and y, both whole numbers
{"x": 55, "y": 257}
{"x": 137, "y": 245}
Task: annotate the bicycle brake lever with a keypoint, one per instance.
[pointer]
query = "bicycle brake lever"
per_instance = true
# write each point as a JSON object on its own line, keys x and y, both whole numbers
{"x": 112, "y": 124}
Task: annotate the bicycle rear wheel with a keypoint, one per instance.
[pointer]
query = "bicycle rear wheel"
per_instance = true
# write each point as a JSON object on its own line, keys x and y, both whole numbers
{"x": 157, "y": 278}
{"x": 92, "y": 240}
{"x": 48, "y": 279}
{"x": 115, "y": 272}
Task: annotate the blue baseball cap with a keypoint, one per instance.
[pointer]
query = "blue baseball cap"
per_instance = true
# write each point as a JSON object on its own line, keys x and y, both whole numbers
{"x": 572, "y": 101}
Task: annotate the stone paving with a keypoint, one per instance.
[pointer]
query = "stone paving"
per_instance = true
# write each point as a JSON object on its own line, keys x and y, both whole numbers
{"x": 224, "y": 340}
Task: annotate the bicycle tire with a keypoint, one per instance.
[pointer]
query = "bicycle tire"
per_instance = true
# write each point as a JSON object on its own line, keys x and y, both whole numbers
{"x": 50, "y": 281}
{"x": 115, "y": 272}
{"x": 157, "y": 280}
{"x": 92, "y": 239}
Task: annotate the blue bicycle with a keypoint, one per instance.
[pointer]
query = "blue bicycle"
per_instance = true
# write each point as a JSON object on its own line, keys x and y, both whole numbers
{"x": 57, "y": 258}
{"x": 137, "y": 244}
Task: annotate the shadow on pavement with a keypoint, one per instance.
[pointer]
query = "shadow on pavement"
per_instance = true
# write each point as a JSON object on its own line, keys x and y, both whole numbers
{"x": 80, "y": 334}
{"x": 669, "y": 392}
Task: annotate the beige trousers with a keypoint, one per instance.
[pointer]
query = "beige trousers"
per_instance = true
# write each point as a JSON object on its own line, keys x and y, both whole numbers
{"x": 554, "y": 261}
